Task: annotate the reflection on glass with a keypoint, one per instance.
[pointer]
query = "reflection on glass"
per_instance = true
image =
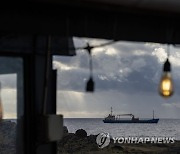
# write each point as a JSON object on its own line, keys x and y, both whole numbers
{"x": 11, "y": 87}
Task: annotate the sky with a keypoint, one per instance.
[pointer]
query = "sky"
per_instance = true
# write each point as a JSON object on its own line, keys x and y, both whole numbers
{"x": 126, "y": 76}
{"x": 8, "y": 95}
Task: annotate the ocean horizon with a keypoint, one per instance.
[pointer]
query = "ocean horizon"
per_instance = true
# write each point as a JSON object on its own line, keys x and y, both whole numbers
{"x": 164, "y": 128}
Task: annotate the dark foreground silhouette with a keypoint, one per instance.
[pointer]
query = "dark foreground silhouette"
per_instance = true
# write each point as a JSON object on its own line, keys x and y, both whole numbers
{"x": 79, "y": 142}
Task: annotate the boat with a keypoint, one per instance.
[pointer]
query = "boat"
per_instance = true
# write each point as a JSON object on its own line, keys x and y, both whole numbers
{"x": 117, "y": 119}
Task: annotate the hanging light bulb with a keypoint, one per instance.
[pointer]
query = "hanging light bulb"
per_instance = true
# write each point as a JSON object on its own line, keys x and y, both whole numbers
{"x": 90, "y": 84}
{"x": 166, "y": 83}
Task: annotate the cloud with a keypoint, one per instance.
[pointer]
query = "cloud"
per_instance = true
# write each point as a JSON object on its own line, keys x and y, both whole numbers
{"x": 110, "y": 72}
{"x": 172, "y": 105}
{"x": 8, "y": 80}
{"x": 126, "y": 76}
{"x": 80, "y": 104}
{"x": 136, "y": 65}
{"x": 9, "y": 102}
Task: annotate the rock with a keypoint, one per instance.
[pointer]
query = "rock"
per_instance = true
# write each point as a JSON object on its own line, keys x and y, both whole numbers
{"x": 65, "y": 131}
{"x": 7, "y": 137}
{"x": 7, "y": 132}
{"x": 118, "y": 147}
{"x": 70, "y": 137}
{"x": 92, "y": 138}
{"x": 161, "y": 145}
{"x": 81, "y": 133}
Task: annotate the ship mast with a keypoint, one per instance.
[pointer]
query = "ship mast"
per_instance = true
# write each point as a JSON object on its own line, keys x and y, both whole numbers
{"x": 111, "y": 111}
{"x": 153, "y": 114}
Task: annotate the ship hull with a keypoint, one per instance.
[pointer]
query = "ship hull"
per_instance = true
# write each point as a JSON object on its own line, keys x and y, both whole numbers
{"x": 131, "y": 121}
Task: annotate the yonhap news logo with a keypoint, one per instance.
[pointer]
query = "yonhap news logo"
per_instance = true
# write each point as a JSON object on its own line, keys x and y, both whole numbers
{"x": 144, "y": 140}
{"x": 103, "y": 140}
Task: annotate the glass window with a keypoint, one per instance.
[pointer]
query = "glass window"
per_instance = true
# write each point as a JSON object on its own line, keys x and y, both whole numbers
{"x": 11, "y": 94}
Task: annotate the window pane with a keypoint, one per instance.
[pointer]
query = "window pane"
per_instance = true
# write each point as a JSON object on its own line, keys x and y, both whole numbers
{"x": 10, "y": 94}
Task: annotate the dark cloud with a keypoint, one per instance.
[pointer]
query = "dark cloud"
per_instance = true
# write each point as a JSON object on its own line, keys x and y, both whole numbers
{"x": 133, "y": 73}
{"x": 126, "y": 77}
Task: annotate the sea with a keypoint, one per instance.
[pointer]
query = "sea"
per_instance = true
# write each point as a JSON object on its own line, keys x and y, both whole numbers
{"x": 94, "y": 126}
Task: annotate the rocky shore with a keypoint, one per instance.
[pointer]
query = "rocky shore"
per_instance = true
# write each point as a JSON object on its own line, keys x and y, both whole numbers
{"x": 7, "y": 137}
{"x": 80, "y": 143}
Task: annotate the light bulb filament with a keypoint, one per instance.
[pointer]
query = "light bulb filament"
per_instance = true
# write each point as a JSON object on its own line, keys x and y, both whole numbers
{"x": 166, "y": 85}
